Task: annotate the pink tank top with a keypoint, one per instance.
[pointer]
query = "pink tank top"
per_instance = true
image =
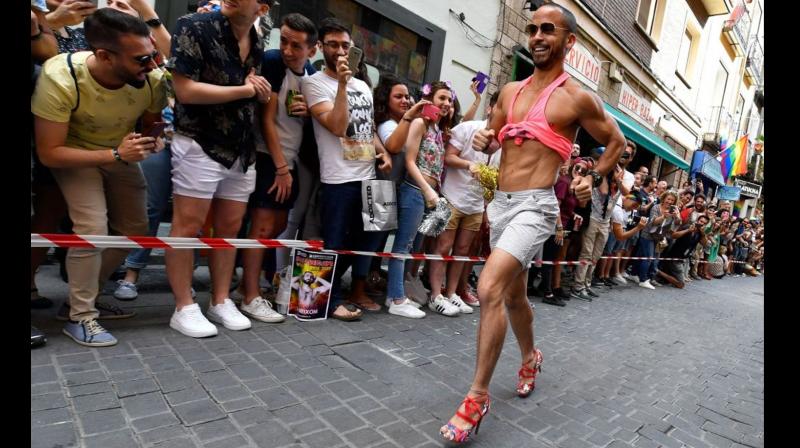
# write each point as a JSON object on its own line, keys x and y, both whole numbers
{"x": 535, "y": 126}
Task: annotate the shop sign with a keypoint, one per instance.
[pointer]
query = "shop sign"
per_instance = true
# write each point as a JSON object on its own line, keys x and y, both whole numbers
{"x": 636, "y": 106}
{"x": 727, "y": 193}
{"x": 582, "y": 65}
{"x": 749, "y": 189}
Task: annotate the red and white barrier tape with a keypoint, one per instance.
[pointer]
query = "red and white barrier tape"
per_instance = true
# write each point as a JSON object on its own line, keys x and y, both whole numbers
{"x": 151, "y": 242}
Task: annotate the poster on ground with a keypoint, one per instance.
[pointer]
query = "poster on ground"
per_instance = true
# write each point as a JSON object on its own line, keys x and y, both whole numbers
{"x": 312, "y": 274}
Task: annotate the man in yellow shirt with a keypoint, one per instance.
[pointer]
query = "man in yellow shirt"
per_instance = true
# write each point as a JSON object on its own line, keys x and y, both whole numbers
{"x": 86, "y": 106}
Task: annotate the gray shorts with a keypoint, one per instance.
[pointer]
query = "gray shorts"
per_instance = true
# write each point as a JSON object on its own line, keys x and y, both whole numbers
{"x": 520, "y": 222}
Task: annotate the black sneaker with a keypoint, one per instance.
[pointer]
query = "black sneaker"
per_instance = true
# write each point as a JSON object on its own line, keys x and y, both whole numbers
{"x": 591, "y": 293}
{"x": 534, "y": 291}
{"x": 37, "y": 337}
{"x": 561, "y": 294}
{"x": 581, "y": 294}
{"x": 596, "y": 282}
{"x": 553, "y": 300}
{"x": 38, "y": 302}
{"x": 610, "y": 283}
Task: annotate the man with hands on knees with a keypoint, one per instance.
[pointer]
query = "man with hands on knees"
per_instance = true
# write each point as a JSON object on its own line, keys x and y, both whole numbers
{"x": 86, "y": 105}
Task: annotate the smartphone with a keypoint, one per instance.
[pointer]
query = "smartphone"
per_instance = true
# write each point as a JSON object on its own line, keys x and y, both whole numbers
{"x": 354, "y": 58}
{"x": 155, "y": 130}
{"x": 431, "y": 112}
{"x": 483, "y": 81}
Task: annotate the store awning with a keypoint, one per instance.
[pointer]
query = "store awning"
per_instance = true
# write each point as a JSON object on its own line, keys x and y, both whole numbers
{"x": 646, "y": 139}
{"x": 705, "y": 164}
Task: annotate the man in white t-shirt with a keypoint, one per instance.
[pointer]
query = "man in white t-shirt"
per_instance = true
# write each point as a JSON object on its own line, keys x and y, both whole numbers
{"x": 342, "y": 108}
{"x": 282, "y": 121}
{"x": 465, "y": 196}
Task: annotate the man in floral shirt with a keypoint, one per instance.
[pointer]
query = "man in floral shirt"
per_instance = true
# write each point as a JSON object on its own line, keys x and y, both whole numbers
{"x": 216, "y": 66}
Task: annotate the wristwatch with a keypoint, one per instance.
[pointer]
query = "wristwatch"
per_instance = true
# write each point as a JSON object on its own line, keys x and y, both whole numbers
{"x": 597, "y": 178}
{"x": 153, "y": 23}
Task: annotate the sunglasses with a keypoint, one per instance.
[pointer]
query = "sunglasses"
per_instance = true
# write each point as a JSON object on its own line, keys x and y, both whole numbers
{"x": 547, "y": 28}
{"x": 143, "y": 60}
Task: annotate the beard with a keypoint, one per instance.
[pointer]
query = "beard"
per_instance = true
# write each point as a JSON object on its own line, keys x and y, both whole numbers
{"x": 549, "y": 62}
{"x": 136, "y": 83}
{"x": 330, "y": 61}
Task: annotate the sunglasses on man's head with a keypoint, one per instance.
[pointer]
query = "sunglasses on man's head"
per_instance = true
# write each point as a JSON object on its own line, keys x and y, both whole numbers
{"x": 546, "y": 27}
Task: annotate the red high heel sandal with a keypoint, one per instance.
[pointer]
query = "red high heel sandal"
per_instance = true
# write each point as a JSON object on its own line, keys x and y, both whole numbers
{"x": 525, "y": 373}
{"x": 454, "y": 434}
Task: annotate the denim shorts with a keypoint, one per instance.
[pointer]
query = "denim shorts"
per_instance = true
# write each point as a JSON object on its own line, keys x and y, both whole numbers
{"x": 520, "y": 222}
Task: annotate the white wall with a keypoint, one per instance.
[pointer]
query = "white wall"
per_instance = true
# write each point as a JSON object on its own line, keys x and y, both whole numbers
{"x": 462, "y": 58}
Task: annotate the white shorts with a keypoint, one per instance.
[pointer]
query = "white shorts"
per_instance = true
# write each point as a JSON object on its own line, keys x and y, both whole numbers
{"x": 196, "y": 175}
{"x": 520, "y": 222}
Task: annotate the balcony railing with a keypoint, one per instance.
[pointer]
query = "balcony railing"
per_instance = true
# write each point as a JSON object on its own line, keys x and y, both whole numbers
{"x": 737, "y": 28}
{"x": 718, "y": 126}
{"x": 755, "y": 62}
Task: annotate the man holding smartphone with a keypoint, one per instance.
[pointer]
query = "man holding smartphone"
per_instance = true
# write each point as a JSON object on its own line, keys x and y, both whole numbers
{"x": 86, "y": 105}
{"x": 343, "y": 117}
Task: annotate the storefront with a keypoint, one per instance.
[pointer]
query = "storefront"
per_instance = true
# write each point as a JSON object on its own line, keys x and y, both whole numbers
{"x": 707, "y": 168}
{"x": 749, "y": 197}
{"x": 406, "y": 45}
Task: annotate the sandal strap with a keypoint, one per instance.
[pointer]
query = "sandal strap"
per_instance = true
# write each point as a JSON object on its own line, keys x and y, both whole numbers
{"x": 471, "y": 406}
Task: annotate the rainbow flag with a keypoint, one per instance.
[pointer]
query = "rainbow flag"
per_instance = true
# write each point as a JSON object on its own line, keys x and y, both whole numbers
{"x": 734, "y": 158}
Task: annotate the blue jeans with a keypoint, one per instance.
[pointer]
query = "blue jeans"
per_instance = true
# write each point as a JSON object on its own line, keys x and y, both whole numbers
{"x": 343, "y": 229}
{"x": 157, "y": 173}
{"x": 410, "y": 208}
{"x": 646, "y": 248}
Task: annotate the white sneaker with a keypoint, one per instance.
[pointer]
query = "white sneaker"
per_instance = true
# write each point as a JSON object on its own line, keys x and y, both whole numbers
{"x": 406, "y": 308}
{"x": 414, "y": 292}
{"x": 228, "y": 315}
{"x": 443, "y": 306}
{"x": 620, "y": 279}
{"x": 646, "y": 284}
{"x": 455, "y": 299}
{"x": 191, "y": 322}
{"x": 261, "y": 309}
{"x": 389, "y": 302}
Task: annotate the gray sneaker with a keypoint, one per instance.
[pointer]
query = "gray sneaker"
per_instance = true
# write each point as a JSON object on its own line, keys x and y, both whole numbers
{"x": 107, "y": 311}
{"x": 261, "y": 309}
{"x": 581, "y": 294}
{"x": 126, "y": 291}
{"x": 89, "y": 333}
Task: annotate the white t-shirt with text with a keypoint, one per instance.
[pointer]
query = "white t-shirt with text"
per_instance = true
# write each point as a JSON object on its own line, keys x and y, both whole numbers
{"x": 348, "y": 159}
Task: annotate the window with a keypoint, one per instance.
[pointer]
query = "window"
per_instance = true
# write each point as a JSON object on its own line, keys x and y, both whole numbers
{"x": 683, "y": 55}
{"x": 687, "y": 53}
{"x": 646, "y": 15}
{"x": 650, "y": 18}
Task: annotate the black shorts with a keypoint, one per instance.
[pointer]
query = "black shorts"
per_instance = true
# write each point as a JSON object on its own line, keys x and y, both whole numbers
{"x": 265, "y": 177}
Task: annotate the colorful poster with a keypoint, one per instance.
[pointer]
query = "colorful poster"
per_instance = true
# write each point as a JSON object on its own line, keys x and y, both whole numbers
{"x": 312, "y": 274}
{"x": 389, "y": 55}
{"x": 367, "y": 41}
{"x": 416, "y": 67}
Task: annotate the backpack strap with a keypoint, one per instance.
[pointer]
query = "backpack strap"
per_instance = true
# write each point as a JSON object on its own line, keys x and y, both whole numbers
{"x": 75, "y": 79}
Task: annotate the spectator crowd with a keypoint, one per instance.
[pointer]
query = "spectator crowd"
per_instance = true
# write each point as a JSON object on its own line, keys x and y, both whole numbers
{"x": 133, "y": 124}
